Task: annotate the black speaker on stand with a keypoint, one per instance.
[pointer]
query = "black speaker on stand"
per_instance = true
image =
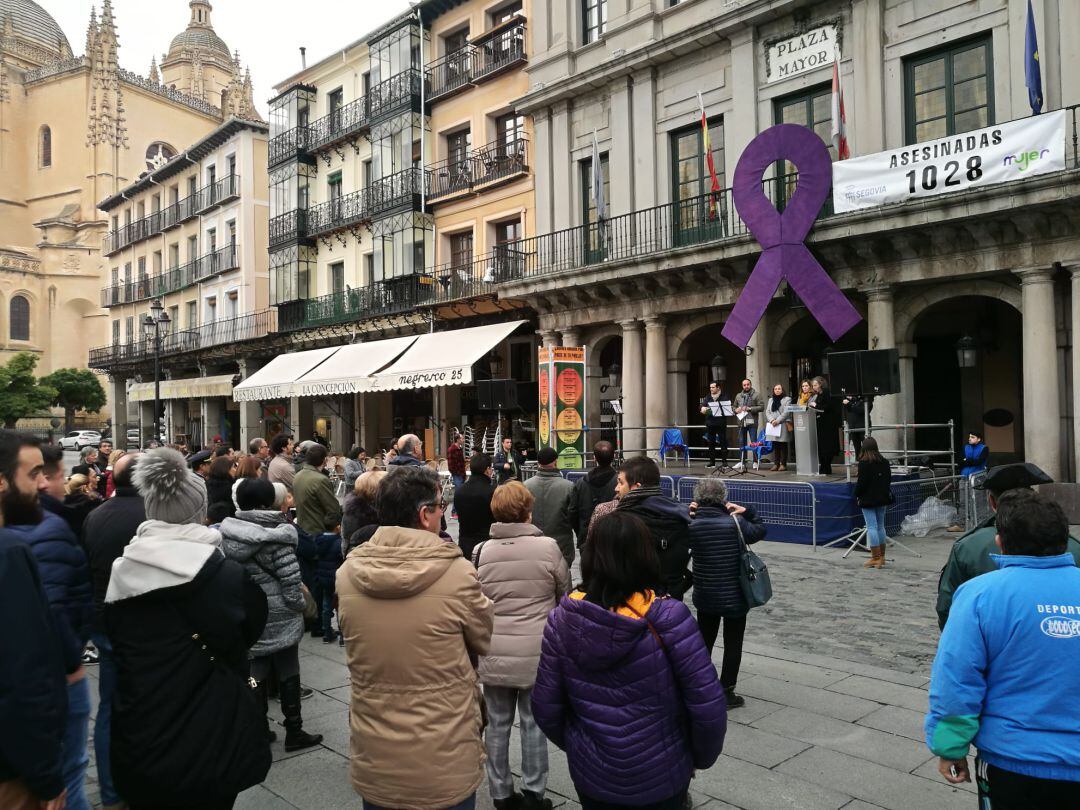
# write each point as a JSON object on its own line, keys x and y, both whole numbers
{"x": 865, "y": 372}
{"x": 496, "y": 395}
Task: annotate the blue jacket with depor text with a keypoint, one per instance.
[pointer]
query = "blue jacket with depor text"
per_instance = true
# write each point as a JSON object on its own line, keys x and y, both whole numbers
{"x": 1007, "y": 670}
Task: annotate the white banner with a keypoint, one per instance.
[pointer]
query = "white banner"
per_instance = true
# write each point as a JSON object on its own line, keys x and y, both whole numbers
{"x": 998, "y": 154}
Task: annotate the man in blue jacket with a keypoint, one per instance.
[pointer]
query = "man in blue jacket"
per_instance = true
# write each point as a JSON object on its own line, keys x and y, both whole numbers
{"x": 1006, "y": 675}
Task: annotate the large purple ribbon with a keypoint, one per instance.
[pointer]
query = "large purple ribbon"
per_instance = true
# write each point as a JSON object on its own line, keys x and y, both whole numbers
{"x": 782, "y": 235}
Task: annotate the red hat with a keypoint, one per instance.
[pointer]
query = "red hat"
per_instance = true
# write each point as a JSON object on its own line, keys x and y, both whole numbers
{"x": 217, "y": 439}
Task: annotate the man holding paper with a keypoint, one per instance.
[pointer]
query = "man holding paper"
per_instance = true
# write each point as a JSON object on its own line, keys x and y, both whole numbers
{"x": 715, "y": 409}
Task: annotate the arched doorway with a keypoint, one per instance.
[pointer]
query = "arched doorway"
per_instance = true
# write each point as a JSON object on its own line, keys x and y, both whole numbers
{"x": 804, "y": 346}
{"x": 984, "y": 395}
{"x": 697, "y": 352}
{"x": 606, "y": 362}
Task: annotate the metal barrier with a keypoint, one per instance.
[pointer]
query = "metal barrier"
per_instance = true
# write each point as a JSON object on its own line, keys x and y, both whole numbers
{"x": 976, "y": 506}
{"x": 910, "y": 495}
{"x": 791, "y": 503}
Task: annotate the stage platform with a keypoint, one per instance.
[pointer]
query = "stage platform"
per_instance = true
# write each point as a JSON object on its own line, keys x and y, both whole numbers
{"x": 803, "y": 509}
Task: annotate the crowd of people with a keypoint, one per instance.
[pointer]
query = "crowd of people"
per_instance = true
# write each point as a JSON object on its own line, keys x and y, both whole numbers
{"x": 190, "y": 581}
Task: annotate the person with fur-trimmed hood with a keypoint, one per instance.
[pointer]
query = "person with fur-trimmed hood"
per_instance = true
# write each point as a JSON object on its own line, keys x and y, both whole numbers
{"x": 187, "y": 729}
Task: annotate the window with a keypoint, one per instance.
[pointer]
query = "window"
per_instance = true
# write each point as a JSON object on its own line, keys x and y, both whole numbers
{"x": 142, "y": 268}
{"x": 333, "y": 186}
{"x": 509, "y": 130}
{"x": 157, "y": 263}
{"x": 948, "y": 91}
{"x": 461, "y": 249}
{"x": 19, "y": 316}
{"x": 593, "y": 19}
{"x": 116, "y": 332}
{"x": 174, "y": 255}
{"x": 192, "y": 185}
{"x": 211, "y": 310}
{"x": 155, "y": 203}
{"x": 369, "y": 268}
{"x": 45, "y": 147}
{"x": 129, "y": 329}
{"x": 699, "y": 214}
{"x": 174, "y": 195}
{"x": 174, "y": 316}
{"x": 336, "y": 100}
{"x": 337, "y": 278}
{"x": 457, "y": 146}
{"x": 232, "y": 303}
{"x": 594, "y": 250}
{"x": 365, "y": 173}
{"x": 506, "y": 13}
{"x": 230, "y": 164}
{"x": 192, "y": 314}
{"x": 455, "y": 41}
{"x": 192, "y": 248}
{"x": 231, "y": 225}
{"x": 458, "y": 174}
{"x": 140, "y": 210}
{"x": 115, "y": 276}
{"x": 211, "y": 240}
{"x": 811, "y": 108}
{"x": 127, "y": 272}
{"x": 211, "y": 175}
{"x": 509, "y": 231}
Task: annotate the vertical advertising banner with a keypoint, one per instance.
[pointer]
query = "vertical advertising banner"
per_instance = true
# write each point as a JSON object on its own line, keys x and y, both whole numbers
{"x": 562, "y": 403}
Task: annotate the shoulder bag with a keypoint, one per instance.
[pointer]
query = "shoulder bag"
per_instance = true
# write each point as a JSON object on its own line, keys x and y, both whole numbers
{"x": 753, "y": 573}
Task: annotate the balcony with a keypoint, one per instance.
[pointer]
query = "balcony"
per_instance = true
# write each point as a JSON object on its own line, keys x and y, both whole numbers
{"x": 400, "y": 93}
{"x": 289, "y": 146}
{"x": 399, "y": 190}
{"x": 476, "y": 279}
{"x": 343, "y": 124}
{"x": 216, "y": 262}
{"x": 495, "y": 162}
{"x": 209, "y": 196}
{"x": 173, "y": 280}
{"x": 499, "y": 50}
{"x": 346, "y": 211}
{"x": 288, "y": 227}
{"x": 387, "y": 297}
{"x": 225, "y": 332}
{"x": 451, "y": 73}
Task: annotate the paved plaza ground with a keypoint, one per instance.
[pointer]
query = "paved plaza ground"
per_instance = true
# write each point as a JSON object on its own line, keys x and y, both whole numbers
{"x": 835, "y": 673}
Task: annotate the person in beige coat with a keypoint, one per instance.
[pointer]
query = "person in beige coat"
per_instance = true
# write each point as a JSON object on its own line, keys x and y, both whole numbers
{"x": 412, "y": 613}
{"x": 524, "y": 573}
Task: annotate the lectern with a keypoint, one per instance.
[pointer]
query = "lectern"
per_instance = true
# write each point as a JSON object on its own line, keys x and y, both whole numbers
{"x": 806, "y": 458}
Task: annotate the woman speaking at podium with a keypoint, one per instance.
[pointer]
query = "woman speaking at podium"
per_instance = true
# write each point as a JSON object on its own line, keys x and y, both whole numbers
{"x": 828, "y": 424}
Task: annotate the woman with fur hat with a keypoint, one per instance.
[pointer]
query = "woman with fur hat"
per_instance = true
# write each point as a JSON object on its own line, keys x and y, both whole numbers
{"x": 264, "y": 542}
{"x": 187, "y": 729}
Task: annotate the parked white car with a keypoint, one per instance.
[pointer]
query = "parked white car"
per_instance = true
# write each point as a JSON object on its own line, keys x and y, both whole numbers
{"x": 78, "y": 439}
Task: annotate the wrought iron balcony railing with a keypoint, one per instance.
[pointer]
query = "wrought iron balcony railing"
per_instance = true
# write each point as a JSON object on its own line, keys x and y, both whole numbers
{"x": 498, "y": 160}
{"x": 499, "y": 52}
{"x": 288, "y": 146}
{"x": 395, "y": 95}
{"x": 172, "y": 280}
{"x": 221, "y": 191}
{"x": 288, "y": 227}
{"x": 386, "y": 297}
{"x": 396, "y": 191}
{"x": 343, "y": 123}
{"x": 215, "y": 262}
{"x": 451, "y": 72}
{"x": 337, "y": 214}
{"x": 228, "y": 331}
{"x": 459, "y": 281}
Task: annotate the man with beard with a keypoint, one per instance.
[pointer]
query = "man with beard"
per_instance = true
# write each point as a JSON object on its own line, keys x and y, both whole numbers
{"x": 65, "y": 576}
{"x": 33, "y": 697}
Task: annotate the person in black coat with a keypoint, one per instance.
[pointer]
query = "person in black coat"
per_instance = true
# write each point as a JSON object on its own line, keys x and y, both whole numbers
{"x": 829, "y": 419}
{"x": 855, "y": 411}
{"x": 359, "y": 512}
{"x": 874, "y": 494}
{"x": 473, "y": 502}
{"x": 597, "y": 486}
{"x": 219, "y": 484}
{"x": 187, "y": 729}
{"x": 716, "y": 552}
{"x": 106, "y": 532}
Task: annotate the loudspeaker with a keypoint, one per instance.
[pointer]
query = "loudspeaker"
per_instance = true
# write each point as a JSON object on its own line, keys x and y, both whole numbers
{"x": 844, "y": 372}
{"x": 874, "y": 372}
{"x": 496, "y": 395}
{"x": 879, "y": 371}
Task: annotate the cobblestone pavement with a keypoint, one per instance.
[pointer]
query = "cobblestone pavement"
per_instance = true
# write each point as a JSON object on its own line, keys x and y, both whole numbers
{"x": 835, "y": 671}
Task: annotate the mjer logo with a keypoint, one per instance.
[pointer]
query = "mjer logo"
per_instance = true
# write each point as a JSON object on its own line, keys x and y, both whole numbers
{"x": 1060, "y": 628}
{"x": 1023, "y": 160}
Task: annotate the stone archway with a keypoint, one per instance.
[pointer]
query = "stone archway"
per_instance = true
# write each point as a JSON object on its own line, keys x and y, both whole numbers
{"x": 913, "y": 305}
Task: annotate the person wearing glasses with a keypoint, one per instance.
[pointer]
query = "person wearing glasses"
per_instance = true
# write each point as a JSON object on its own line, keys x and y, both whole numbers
{"x": 414, "y": 619}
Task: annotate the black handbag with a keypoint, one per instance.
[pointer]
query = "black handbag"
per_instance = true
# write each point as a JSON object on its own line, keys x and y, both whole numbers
{"x": 753, "y": 573}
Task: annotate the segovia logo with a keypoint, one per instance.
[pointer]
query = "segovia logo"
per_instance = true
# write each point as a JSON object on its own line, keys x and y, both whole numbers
{"x": 1060, "y": 628}
{"x": 1023, "y": 160}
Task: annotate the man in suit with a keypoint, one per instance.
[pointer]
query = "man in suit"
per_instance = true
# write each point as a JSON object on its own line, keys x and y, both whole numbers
{"x": 473, "y": 502}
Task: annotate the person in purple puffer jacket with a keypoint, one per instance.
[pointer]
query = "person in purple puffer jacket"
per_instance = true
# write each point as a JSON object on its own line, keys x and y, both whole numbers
{"x": 625, "y": 685}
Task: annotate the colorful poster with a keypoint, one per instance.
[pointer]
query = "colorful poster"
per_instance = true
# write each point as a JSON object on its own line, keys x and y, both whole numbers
{"x": 561, "y": 385}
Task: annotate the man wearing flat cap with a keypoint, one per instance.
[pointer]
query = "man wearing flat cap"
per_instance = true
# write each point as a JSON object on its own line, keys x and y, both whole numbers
{"x": 970, "y": 555}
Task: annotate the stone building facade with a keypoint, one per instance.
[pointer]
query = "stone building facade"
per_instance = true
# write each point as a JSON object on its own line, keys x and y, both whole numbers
{"x": 73, "y": 131}
{"x": 999, "y": 265}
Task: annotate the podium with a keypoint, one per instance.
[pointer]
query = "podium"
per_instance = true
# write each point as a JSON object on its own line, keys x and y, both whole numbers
{"x": 806, "y": 452}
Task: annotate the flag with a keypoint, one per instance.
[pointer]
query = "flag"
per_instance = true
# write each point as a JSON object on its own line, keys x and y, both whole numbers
{"x": 714, "y": 181}
{"x": 597, "y": 193}
{"x": 1032, "y": 74}
{"x": 839, "y": 117}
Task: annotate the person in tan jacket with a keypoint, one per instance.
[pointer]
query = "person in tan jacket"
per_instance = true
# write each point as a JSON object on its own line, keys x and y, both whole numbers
{"x": 412, "y": 613}
{"x": 525, "y": 573}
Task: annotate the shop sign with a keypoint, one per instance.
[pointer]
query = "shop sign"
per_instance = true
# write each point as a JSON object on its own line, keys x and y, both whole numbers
{"x": 998, "y": 154}
{"x": 800, "y": 53}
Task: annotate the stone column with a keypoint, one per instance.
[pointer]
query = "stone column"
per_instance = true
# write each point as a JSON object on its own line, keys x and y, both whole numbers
{"x": 549, "y": 338}
{"x": 883, "y": 336}
{"x": 251, "y": 426}
{"x": 1042, "y": 408}
{"x": 645, "y": 169}
{"x": 758, "y": 366}
{"x": 118, "y": 390}
{"x": 656, "y": 392}
{"x": 906, "y": 415}
{"x": 620, "y": 161}
{"x": 211, "y": 418}
{"x": 633, "y": 386}
{"x": 563, "y": 209}
{"x": 542, "y": 168}
{"x": 676, "y": 379}
{"x": 864, "y": 46}
{"x": 1075, "y": 353}
{"x": 571, "y": 337}
{"x": 740, "y": 126}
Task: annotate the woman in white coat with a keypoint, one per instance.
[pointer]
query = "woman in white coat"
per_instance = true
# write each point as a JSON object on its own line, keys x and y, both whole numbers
{"x": 776, "y": 414}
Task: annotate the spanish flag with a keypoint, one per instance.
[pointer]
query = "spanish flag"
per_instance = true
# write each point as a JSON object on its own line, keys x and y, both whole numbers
{"x": 714, "y": 186}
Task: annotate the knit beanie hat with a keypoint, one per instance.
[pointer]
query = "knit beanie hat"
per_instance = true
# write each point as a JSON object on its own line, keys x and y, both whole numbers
{"x": 171, "y": 492}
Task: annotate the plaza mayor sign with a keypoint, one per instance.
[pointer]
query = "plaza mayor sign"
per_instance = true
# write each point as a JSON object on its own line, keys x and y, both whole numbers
{"x": 800, "y": 53}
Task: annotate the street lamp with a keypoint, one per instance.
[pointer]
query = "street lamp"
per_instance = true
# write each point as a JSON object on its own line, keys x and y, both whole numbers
{"x": 966, "y": 352}
{"x": 718, "y": 367}
{"x": 614, "y": 375}
{"x": 156, "y": 329}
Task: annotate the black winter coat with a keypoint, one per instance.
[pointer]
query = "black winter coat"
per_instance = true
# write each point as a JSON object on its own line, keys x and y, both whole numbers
{"x": 33, "y": 691}
{"x": 106, "y": 532}
{"x": 185, "y": 723}
{"x": 872, "y": 488}
{"x": 65, "y": 576}
{"x": 828, "y": 424}
{"x": 667, "y": 521}
{"x": 219, "y": 490}
{"x": 328, "y": 553}
{"x": 596, "y": 487}
{"x": 715, "y": 550}
{"x": 473, "y": 503}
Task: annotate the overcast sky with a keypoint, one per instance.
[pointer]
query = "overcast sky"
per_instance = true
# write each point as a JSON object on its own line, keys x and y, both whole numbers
{"x": 268, "y": 33}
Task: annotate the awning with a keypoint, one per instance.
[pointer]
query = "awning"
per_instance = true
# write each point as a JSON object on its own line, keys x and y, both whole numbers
{"x": 277, "y": 378}
{"x": 349, "y": 369}
{"x": 220, "y": 386}
{"x": 443, "y": 358}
